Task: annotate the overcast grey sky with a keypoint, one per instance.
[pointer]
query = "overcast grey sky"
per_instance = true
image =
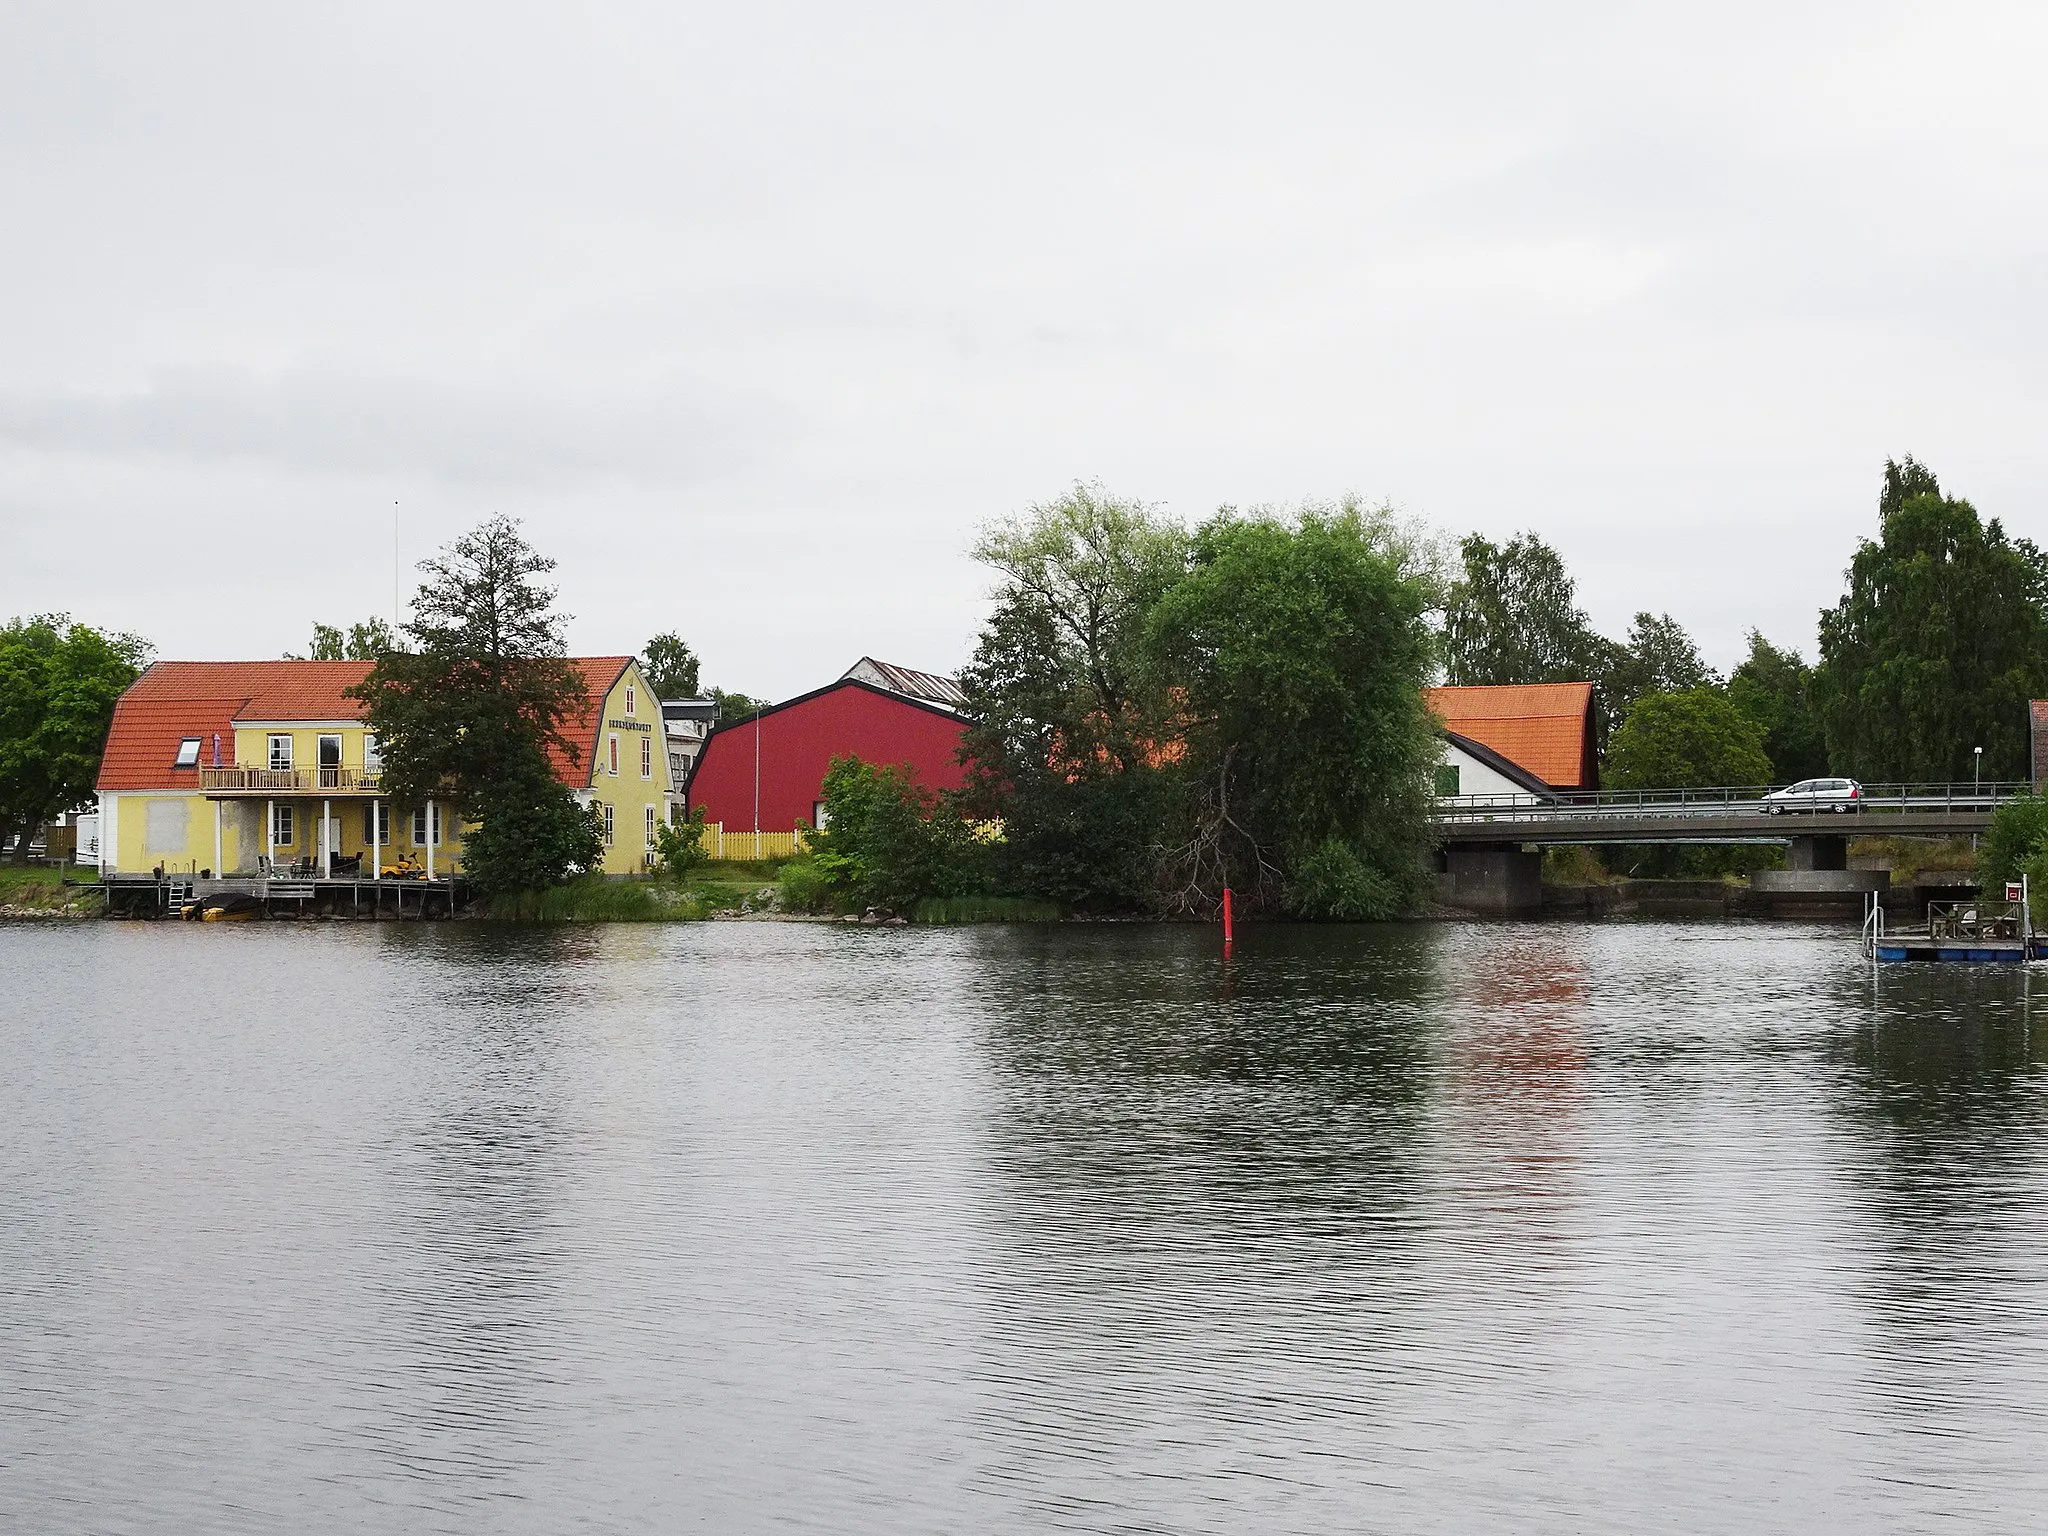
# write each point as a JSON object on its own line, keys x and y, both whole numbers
{"x": 754, "y": 313}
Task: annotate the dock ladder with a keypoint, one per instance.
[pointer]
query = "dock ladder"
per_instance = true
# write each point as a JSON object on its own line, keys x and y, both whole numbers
{"x": 1873, "y": 922}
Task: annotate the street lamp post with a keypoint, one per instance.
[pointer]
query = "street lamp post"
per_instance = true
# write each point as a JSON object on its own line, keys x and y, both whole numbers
{"x": 1977, "y": 773}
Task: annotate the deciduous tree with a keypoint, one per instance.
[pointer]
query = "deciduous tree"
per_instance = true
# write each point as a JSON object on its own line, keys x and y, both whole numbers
{"x": 1512, "y": 617}
{"x": 59, "y": 682}
{"x": 1657, "y": 657}
{"x": 1296, "y": 651}
{"x": 1686, "y": 740}
{"x": 1775, "y": 688}
{"x": 363, "y": 642}
{"x": 671, "y": 667}
{"x": 471, "y": 711}
{"x": 1937, "y": 644}
{"x": 1069, "y": 729}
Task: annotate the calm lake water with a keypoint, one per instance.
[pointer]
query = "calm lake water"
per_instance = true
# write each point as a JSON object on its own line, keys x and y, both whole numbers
{"x": 749, "y": 1227}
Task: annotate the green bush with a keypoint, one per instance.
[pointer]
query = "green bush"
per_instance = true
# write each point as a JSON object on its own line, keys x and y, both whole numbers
{"x": 679, "y": 847}
{"x": 805, "y": 887}
{"x": 1332, "y": 884}
{"x": 2018, "y": 835}
{"x": 889, "y": 843}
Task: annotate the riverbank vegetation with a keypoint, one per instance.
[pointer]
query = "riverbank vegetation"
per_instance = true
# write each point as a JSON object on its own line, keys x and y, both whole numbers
{"x": 638, "y": 899}
{"x": 1158, "y": 713}
{"x": 42, "y": 890}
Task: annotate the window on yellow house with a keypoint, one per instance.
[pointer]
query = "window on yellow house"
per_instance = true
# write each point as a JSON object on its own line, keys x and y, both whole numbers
{"x": 646, "y": 757}
{"x": 607, "y": 826}
{"x": 280, "y": 754}
{"x": 377, "y": 822}
{"x": 281, "y": 825}
{"x": 650, "y": 826}
{"x": 420, "y": 829}
{"x": 629, "y": 698}
{"x": 615, "y": 755}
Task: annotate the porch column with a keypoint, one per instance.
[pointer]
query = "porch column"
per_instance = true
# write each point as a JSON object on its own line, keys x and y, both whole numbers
{"x": 217, "y": 870}
{"x": 270, "y": 834}
{"x": 326, "y": 839}
{"x": 376, "y": 850}
{"x": 430, "y": 839}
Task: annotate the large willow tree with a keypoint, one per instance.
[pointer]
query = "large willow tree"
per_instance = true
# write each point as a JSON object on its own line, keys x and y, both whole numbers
{"x": 1297, "y": 652}
{"x": 1068, "y": 720}
{"x": 1937, "y": 644}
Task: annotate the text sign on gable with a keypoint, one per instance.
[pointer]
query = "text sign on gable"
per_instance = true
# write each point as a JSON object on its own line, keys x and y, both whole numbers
{"x": 631, "y": 725}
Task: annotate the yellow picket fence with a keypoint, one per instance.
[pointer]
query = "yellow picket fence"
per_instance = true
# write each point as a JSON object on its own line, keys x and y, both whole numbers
{"x": 721, "y": 844}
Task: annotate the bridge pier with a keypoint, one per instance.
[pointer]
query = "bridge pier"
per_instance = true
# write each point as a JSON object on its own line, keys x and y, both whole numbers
{"x": 1493, "y": 879}
{"x": 1817, "y": 851}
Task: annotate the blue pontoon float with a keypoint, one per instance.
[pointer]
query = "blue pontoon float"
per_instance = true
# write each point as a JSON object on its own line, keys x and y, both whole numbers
{"x": 1985, "y": 932}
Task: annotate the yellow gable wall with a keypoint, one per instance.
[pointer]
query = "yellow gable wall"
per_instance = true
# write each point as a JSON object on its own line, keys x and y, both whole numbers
{"x": 629, "y": 792}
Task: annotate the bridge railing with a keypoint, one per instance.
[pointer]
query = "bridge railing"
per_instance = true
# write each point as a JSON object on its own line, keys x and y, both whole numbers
{"x": 1875, "y": 800}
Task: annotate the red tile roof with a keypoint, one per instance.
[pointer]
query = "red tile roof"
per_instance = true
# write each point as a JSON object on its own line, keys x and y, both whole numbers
{"x": 1546, "y": 728}
{"x": 600, "y": 675}
{"x": 173, "y": 700}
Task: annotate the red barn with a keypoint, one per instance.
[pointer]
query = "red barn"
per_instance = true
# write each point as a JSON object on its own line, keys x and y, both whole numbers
{"x": 794, "y": 743}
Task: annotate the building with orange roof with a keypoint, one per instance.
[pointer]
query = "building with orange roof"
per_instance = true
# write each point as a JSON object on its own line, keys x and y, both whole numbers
{"x": 261, "y": 767}
{"x": 1500, "y": 738}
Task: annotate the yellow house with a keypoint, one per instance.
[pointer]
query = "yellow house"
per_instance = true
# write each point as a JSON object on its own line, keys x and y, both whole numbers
{"x": 265, "y": 767}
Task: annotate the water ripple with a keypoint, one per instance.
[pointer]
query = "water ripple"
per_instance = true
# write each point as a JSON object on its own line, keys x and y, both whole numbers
{"x": 775, "y": 1227}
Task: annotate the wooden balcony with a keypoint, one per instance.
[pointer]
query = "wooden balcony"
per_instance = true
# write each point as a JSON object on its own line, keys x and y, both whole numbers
{"x": 329, "y": 783}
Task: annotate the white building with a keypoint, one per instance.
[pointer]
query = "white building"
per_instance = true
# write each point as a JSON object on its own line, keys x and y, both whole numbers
{"x": 1472, "y": 768}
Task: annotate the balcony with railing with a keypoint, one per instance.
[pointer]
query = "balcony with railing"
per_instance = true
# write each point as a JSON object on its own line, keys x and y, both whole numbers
{"x": 333, "y": 782}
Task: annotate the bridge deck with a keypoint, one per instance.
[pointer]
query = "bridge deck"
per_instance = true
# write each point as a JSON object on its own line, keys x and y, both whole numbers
{"x": 1715, "y": 816}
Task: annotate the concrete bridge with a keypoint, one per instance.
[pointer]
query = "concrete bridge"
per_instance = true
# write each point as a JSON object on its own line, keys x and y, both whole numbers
{"x": 1492, "y": 843}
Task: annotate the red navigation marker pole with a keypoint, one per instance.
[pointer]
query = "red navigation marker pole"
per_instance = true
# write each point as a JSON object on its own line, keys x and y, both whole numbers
{"x": 1227, "y": 935}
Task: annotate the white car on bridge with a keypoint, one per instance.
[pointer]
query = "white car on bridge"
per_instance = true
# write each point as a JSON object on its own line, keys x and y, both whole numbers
{"x": 1839, "y": 795}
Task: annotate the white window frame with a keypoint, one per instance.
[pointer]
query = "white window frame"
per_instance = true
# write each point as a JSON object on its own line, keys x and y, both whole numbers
{"x": 377, "y": 814}
{"x": 373, "y": 754}
{"x": 280, "y": 762}
{"x": 424, "y": 835}
{"x": 629, "y": 698}
{"x": 281, "y": 829}
{"x": 647, "y": 755}
{"x": 651, "y": 824}
{"x": 188, "y": 752}
{"x": 612, "y": 753}
{"x": 607, "y": 823}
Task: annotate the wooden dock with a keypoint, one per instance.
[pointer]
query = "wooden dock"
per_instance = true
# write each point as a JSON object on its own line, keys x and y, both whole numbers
{"x": 346, "y": 896}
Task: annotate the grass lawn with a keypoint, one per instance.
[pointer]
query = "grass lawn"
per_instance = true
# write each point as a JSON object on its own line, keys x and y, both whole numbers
{"x": 41, "y": 887}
